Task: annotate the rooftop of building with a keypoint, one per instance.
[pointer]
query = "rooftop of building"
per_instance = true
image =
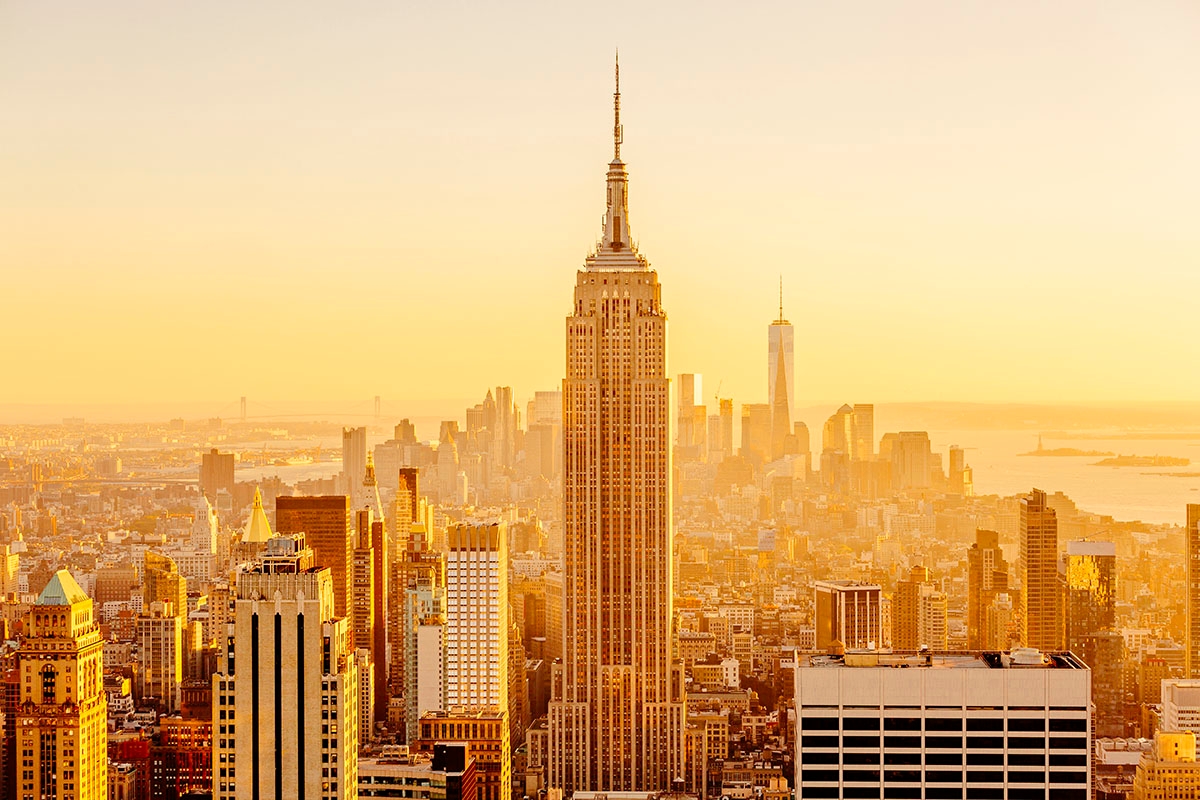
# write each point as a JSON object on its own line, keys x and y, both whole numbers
{"x": 62, "y": 590}
{"x": 1020, "y": 658}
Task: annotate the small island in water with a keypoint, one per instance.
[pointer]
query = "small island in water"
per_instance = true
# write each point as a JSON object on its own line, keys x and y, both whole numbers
{"x": 1143, "y": 461}
{"x": 1061, "y": 452}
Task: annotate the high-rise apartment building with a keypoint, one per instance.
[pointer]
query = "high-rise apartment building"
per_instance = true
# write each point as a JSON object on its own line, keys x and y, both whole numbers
{"x": 477, "y": 617}
{"x": 617, "y": 715}
{"x": 919, "y": 611}
{"x": 354, "y": 459}
{"x": 781, "y": 377}
{"x": 158, "y": 666}
{"x": 216, "y": 474}
{"x": 849, "y": 613}
{"x": 422, "y": 630}
{"x": 61, "y": 747}
{"x": 1192, "y": 584}
{"x": 991, "y": 725}
{"x": 285, "y": 694}
{"x": 325, "y": 523}
{"x": 987, "y": 577}
{"x": 1042, "y": 624}
{"x": 369, "y": 593}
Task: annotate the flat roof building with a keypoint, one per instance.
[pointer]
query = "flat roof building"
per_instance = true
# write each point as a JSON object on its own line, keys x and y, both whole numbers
{"x": 979, "y": 725}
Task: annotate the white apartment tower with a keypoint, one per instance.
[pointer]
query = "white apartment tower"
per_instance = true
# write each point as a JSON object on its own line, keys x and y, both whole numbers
{"x": 285, "y": 694}
{"x": 476, "y": 641}
{"x": 617, "y": 709}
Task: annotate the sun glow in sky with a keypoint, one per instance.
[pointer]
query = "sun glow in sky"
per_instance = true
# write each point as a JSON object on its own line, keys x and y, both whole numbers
{"x": 966, "y": 201}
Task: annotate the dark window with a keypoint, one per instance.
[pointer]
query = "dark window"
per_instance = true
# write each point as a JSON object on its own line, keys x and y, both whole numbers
{"x": 901, "y": 758}
{"x": 1026, "y": 760}
{"x": 943, "y": 793}
{"x": 985, "y": 724}
{"x": 1068, "y": 743}
{"x": 1068, "y": 777}
{"x": 901, "y": 741}
{"x": 861, "y": 741}
{"x": 944, "y": 759}
{"x": 945, "y": 742}
{"x": 1070, "y": 794}
{"x": 981, "y": 793}
{"x": 1068, "y": 725}
{"x": 934, "y": 776}
{"x": 860, "y": 724}
{"x": 865, "y": 792}
{"x": 820, "y": 758}
{"x": 830, "y": 792}
{"x": 943, "y": 724}
{"x": 985, "y": 742}
{"x": 902, "y": 776}
{"x": 890, "y": 791}
{"x": 1026, "y": 743}
{"x": 979, "y": 776}
{"x": 818, "y": 741}
{"x": 861, "y": 775}
{"x": 1027, "y": 793}
{"x": 1016, "y": 776}
{"x": 819, "y": 723}
{"x": 902, "y": 724}
{"x": 1038, "y": 725}
{"x": 856, "y": 758}
{"x": 1068, "y": 759}
{"x": 818, "y": 775}
{"x": 985, "y": 759}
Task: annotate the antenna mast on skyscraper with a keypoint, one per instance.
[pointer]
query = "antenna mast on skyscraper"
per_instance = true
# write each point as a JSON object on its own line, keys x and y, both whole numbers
{"x": 618, "y": 131}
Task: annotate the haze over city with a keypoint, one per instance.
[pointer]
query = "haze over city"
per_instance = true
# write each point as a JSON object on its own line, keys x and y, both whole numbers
{"x": 966, "y": 202}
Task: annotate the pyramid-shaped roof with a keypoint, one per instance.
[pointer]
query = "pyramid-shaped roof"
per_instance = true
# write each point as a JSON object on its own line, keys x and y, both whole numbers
{"x": 258, "y": 529}
{"x": 62, "y": 590}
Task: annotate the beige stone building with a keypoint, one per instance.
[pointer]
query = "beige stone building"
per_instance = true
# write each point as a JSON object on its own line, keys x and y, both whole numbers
{"x": 61, "y": 735}
{"x": 286, "y": 694}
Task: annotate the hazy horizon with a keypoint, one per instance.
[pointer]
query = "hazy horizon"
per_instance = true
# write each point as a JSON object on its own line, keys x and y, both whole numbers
{"x": 992, "y": 202}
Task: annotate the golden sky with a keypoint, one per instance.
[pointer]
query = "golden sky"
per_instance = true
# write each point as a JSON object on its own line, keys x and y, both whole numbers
{"x": 967, "y": 201}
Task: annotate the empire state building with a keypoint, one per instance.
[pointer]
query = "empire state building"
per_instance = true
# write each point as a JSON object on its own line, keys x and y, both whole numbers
{"x": 617, "y": 709}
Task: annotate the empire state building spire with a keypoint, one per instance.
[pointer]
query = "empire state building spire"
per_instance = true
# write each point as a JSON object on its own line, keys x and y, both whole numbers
{"x": 616, "y": 249}
{"x": 618, "y": 131}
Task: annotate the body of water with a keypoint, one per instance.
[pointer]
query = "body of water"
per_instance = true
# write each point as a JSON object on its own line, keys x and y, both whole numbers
{"x": 1149, "y": 494}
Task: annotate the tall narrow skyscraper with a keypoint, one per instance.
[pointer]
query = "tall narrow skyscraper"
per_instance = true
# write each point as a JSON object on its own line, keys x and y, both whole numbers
{"x": 1192, "y": 573}
{"x": 617, "y": 714}
{"x": 780, "y": 379}
{"x": 1042, "y": 624}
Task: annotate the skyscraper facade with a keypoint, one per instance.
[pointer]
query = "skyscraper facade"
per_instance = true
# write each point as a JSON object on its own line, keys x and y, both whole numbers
{"x": 354, "y": 458}
{"x": 617, "y": 715}
{"x": 987, "y": 577}
{"x": 477, "y": 617}
{"x": 61, "y": 732}
{"x": 286, "y": 686}
{"x": 1192, "y": 614}
{"x": 325, "y": 523}
{"x": 780, "y": 379}
{"x": 1042, "y": 624}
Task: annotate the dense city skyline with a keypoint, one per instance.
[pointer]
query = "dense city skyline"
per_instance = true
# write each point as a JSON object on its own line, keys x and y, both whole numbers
{"x": 182, "y": 187}
{"x": 628, "y": 567}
